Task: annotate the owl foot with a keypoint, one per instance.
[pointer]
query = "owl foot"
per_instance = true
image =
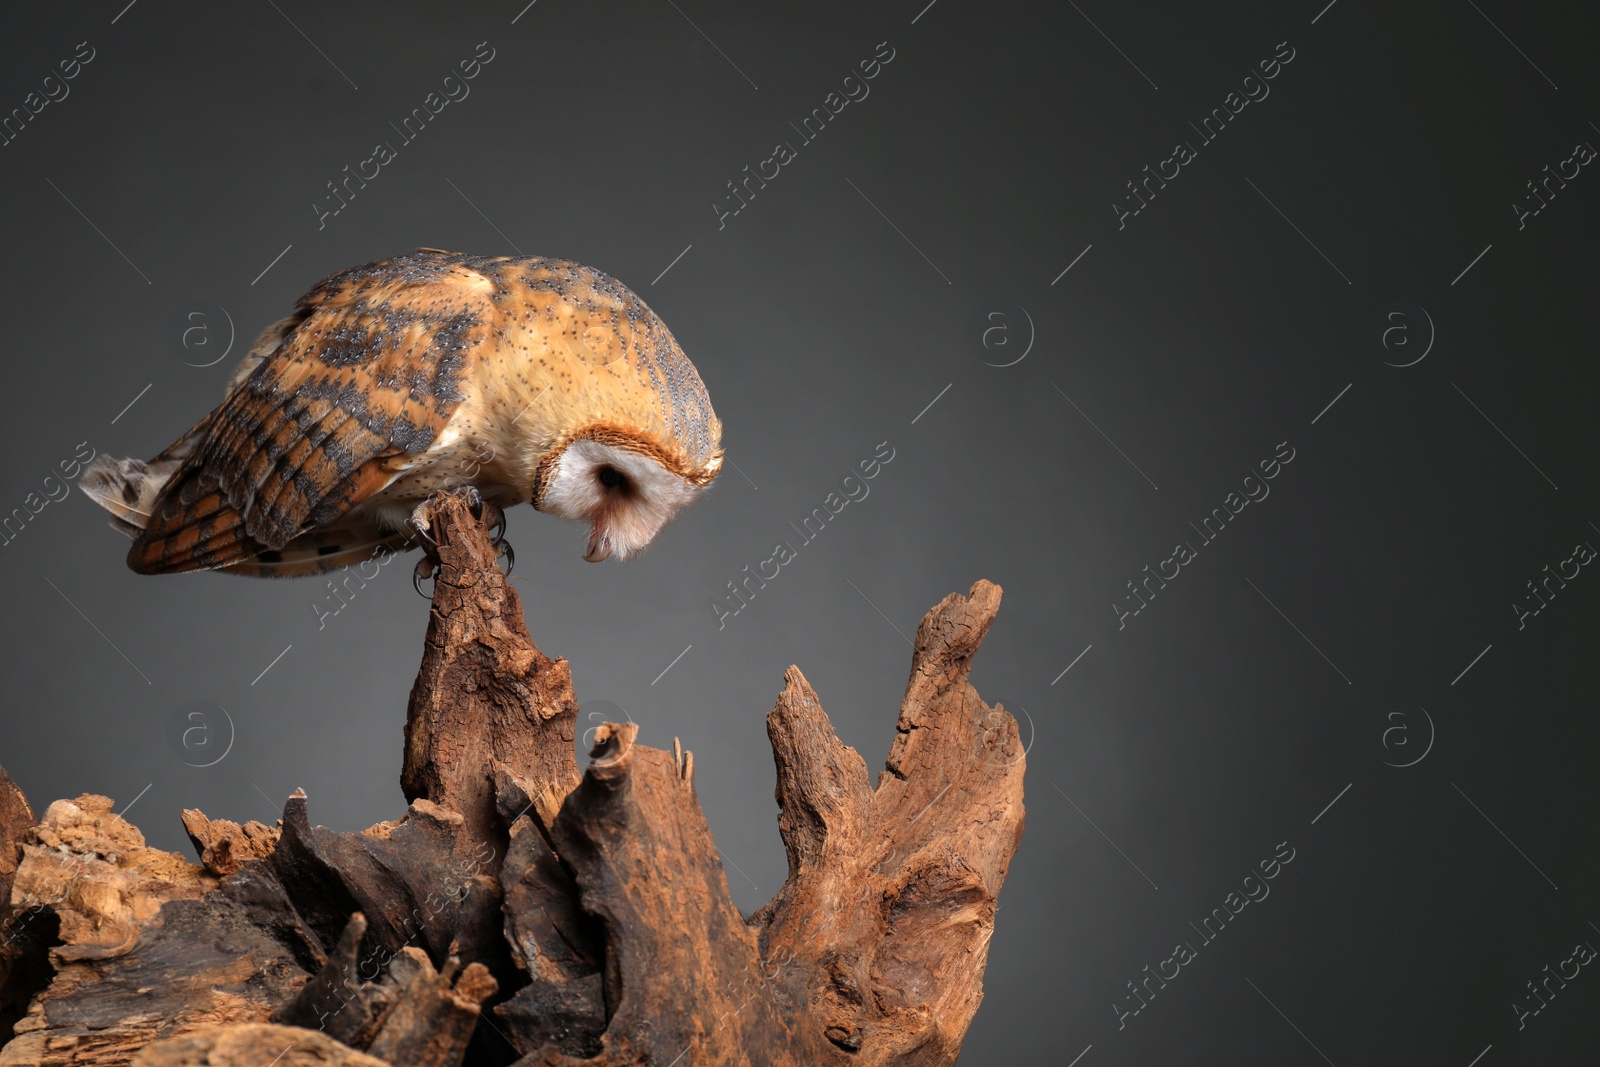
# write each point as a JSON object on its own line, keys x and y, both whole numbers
{"x": 494, "y": 519}
{"x": 492, "y": 516}
{"x": 497, "y": 529}
{"x": 419, "y": 524}
{"x": 426, "y": 570}
{"x": 428, "y": 566}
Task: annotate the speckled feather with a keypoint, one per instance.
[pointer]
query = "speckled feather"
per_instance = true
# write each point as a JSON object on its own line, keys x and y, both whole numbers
{"x": 385, "y": 381}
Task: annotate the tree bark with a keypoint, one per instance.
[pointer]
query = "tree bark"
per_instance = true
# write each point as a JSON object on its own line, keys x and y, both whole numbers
{"x": 22, "y": 944}
{"x": 522, "y": 912}
{"x": 144, "y": 944}
{"x": 485, "y": 694}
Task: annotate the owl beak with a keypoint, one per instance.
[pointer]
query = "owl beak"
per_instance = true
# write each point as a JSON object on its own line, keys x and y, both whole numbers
{"x": 599, "y": 544}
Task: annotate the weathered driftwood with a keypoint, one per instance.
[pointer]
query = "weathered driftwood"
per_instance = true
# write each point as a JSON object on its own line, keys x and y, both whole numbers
{"x": 223, "y": 846}
{"x": 16, "y": 819}
{"x": 145, "y": 944}
{"x": 520, "y": 912}
{"x": 882, "y": 930}
{"x": 242, "y": 1045}
{"x": 413, "y": 1016}
{"x": 485, "y": 694}
{"x": 22, "y": 942}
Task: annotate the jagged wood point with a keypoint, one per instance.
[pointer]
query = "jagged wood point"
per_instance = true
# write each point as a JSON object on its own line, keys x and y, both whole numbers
{"x": 524, "y": 912}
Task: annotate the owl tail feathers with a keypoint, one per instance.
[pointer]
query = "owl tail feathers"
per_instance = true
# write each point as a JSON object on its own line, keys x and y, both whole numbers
{"x": 127, "y": 488}
{"x": 329, "y": 549}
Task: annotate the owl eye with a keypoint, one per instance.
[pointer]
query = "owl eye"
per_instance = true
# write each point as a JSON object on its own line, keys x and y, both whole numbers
{"x": 612, "y": 478}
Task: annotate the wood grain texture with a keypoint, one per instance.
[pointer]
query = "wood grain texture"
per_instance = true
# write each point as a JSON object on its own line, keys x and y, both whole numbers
{"x": 522, "y": 913}
{"x": 16, "y": 819}
{"x": 147, "y": 944}
{"x": 882, "y": 929}
{"x": 485, "y": 694}
{"x": 225, "y": 846}
{"x": 21, "y": 940}
{"x": 253, "y": 1045}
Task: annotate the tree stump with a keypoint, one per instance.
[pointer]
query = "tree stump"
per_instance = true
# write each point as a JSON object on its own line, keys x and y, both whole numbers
{"x": 521, "y": 912}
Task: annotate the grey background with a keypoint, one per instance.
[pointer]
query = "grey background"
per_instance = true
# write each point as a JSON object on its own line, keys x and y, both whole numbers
{"x": 1215, "y": 725}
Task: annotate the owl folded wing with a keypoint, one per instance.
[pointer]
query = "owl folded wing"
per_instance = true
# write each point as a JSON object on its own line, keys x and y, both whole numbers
{"x": 361, "y": 385}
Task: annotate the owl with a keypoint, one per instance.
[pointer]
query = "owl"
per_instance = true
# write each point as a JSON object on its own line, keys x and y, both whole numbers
{"x": 525, "y": 379}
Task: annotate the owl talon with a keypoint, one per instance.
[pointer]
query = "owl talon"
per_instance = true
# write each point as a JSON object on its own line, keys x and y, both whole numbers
{"x": 427, "y": 568}
{"x": 474, "y": 500}
{"x": 419, "y": 523}
{"x": 497, "y": 537}
{"x": 495, "y": 523}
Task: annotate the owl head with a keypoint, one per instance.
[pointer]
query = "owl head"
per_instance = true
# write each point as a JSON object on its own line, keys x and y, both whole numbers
{"x": 620, "y": 482}
{"x": 622, "y": 434}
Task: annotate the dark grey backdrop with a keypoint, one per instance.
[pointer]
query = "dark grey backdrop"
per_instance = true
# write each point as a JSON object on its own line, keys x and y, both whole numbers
{"x": 179, "y": 175}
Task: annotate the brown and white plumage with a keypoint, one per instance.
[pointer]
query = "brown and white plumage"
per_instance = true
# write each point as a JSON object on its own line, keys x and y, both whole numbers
{"x": 534, "y": 380}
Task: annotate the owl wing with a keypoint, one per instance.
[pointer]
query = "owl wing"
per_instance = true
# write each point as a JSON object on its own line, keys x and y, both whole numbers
{"x": 364, "y": 381}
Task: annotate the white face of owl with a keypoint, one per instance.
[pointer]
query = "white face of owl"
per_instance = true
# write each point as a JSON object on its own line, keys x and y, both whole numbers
{"x": 625, "y": 497}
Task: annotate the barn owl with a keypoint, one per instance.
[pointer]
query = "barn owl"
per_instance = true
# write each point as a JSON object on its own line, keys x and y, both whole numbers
{"x": 527, "y": 379}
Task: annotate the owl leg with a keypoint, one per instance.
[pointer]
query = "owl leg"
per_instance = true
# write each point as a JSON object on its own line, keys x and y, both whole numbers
{"x": 419, "y": 523}
{"x": 491, "y": 515}
{"x": 428, "y": 566}
{"x": 494, "y": 518}
{"x": 469, "y": 493}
